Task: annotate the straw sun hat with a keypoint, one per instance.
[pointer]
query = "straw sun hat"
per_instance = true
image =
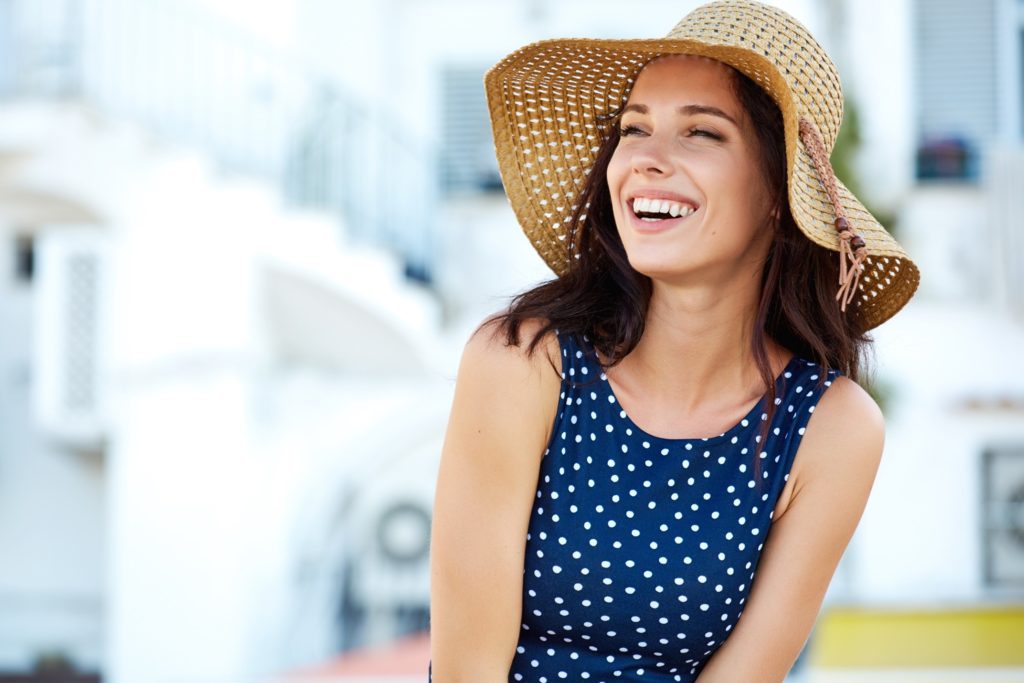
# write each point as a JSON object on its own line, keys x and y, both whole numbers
{"x": 552, "y": 104}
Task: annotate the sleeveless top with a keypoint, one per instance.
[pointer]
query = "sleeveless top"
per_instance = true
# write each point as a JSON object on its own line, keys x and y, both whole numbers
{"x": 641, "y": 550}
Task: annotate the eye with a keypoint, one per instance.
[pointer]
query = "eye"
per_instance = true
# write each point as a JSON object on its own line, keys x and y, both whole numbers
{"x": 630, "y": 130}
{"x": 704, "y": 132}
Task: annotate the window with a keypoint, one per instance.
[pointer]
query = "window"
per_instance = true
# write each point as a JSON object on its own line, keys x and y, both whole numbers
{"x": 954, "y": 53}
{"x": 1003, "y": 517}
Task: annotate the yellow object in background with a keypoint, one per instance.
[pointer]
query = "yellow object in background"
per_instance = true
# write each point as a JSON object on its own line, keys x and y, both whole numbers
{"x": 972, "y": 637}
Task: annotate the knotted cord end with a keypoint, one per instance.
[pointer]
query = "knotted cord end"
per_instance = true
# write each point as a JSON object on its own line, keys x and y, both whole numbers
{"x": 852, "y": 247}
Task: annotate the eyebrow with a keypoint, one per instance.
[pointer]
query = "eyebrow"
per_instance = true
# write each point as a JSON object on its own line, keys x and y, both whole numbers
{"x": 690, "y": 109}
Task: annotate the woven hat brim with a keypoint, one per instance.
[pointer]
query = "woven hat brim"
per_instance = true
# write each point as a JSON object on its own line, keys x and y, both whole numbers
{"x": 890, "y": 277}
{"x": 551, "y": 104}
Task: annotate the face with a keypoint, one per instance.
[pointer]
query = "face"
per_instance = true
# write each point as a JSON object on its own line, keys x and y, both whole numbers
{"x": 689, "y": 200}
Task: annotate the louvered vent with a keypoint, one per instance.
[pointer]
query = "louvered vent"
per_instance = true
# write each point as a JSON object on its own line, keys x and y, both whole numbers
{"x": 468, "y": 164}
{"x": 68, "y": 391}
{"x": 956, "y": 75}
{"x": 1003, "y": 498}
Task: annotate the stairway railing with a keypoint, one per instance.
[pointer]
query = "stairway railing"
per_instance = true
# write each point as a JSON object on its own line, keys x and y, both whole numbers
{"x": 193, "y": 79}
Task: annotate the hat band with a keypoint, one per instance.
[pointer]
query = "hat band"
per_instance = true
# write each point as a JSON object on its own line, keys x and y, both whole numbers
{"x": 852, "y": 250}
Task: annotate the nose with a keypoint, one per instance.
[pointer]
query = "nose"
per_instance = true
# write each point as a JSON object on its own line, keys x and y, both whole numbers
{"x": 649, "y": 158}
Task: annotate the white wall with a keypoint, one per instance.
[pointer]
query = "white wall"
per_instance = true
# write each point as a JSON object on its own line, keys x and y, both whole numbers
{"x": 227, "y": 492}
{"x": 180, "y": 476}
{"x": 215, "y": 455}
{"x": 920, "y": 540}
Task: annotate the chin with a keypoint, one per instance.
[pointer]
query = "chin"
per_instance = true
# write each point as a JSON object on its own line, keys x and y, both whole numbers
{"x": 658, "y": 262}
{"x": 659, "y": 267}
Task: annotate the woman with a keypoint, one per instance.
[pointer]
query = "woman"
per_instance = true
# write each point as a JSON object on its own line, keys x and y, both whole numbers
{"x": 632, "y": 443}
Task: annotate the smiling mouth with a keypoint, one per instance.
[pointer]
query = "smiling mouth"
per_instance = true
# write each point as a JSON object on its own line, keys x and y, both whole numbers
{"x": 653, "y": 210}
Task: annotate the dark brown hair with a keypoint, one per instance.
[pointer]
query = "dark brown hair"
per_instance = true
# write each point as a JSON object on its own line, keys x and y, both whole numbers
{"x": 604, "y": 298}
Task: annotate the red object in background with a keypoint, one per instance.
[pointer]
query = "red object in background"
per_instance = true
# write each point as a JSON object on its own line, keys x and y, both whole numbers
{"x": 405, "y": 657}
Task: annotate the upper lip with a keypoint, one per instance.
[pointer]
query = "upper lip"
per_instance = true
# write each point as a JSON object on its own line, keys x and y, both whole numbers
{"x": 663, "y": 195}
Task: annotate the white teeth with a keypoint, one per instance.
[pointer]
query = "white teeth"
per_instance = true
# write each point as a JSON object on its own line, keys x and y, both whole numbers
{"x": 674, "y": 209}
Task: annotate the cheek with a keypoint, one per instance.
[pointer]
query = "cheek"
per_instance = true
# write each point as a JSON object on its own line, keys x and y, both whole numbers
{"x": 615, "y": 174}
{"x": 758, "y": 203}
{"x": 614, "y": 177}
{"x": 748, "y": 187}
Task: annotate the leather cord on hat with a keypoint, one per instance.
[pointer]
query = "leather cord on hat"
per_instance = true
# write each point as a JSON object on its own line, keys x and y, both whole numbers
{"x": 851, "y": 245}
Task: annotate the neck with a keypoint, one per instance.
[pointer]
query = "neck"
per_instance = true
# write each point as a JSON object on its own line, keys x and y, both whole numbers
{"x": 697, "y": 346}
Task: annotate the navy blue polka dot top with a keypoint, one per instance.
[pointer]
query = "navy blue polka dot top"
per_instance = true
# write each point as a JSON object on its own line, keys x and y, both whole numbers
{"x": 641, "y": 550}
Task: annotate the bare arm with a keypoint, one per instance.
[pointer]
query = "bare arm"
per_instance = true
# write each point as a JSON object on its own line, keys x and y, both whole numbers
{"x": 500, "y": 423}
{"x": 839, "y": 456}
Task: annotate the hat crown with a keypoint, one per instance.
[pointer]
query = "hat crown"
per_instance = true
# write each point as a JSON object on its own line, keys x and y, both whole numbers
{"x": 784, "y": 43}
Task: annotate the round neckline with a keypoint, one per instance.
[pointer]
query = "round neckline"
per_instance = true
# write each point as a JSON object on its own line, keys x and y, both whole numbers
{"x": 752, "y": 416}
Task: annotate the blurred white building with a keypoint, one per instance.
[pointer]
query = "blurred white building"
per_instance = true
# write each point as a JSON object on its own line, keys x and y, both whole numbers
{"x": 223, "y": 392}
{"x": 237, "y": 285}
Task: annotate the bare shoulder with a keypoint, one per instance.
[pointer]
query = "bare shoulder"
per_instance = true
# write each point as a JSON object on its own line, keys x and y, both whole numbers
{"x": 505, "y": 387}
{"x": 845, "y": 435}
{"x": 846, "y": 398}
{"x": 488, "y": 349}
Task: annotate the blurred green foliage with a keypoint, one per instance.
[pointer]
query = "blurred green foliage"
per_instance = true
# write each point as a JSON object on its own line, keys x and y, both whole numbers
{"x": 843, "y": 159}
{"x": 882, "y": 392}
